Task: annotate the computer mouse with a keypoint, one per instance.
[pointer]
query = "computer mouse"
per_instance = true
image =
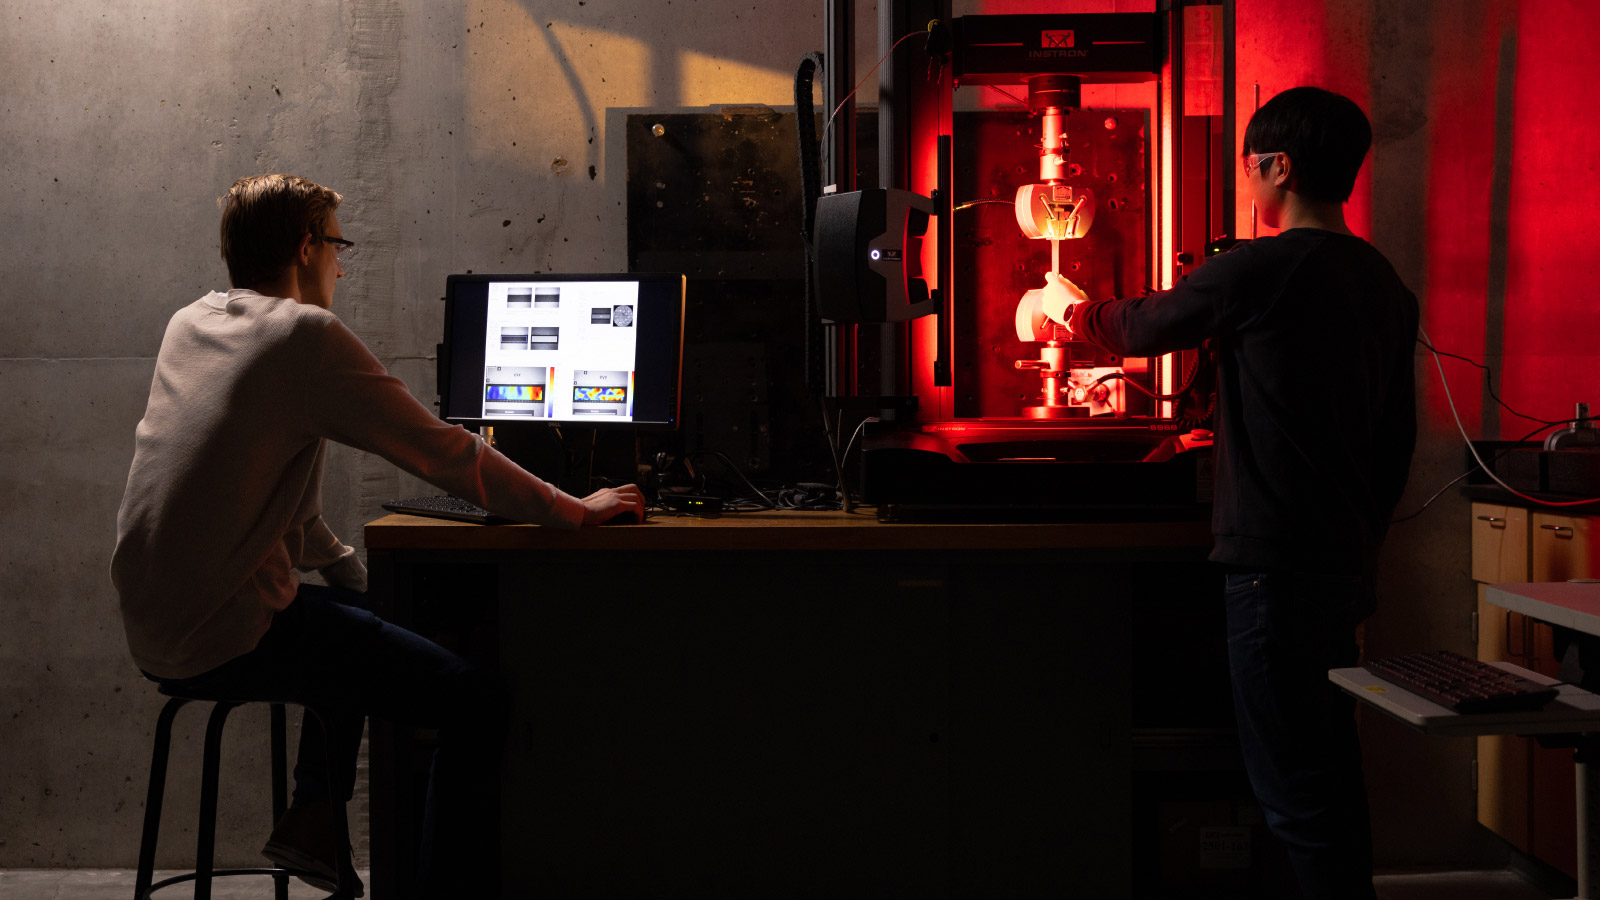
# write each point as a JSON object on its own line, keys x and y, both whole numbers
{"x": 626, "y": 518}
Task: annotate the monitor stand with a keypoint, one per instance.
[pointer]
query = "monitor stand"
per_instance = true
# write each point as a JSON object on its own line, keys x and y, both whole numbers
{"x": 572, "y": 456}
{"x": 537, "y": 448}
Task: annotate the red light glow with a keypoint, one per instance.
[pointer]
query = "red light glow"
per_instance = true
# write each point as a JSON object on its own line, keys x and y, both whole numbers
{"x": 925, "y": 331}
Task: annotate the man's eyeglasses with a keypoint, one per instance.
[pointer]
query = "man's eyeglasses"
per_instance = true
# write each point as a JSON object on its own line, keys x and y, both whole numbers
{"x": 342, "y": 248}
{"x": 1255, "y": 161}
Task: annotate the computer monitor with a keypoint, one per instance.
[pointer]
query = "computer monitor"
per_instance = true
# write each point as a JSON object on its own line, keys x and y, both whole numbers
{"x": 562, "y": 349}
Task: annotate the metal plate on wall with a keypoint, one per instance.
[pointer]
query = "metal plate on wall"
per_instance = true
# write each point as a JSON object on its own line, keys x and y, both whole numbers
{"x": 716, "y": 196}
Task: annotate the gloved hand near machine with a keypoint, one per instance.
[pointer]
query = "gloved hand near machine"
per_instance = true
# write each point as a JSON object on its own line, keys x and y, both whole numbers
{"x": 1044, "y": 315}
{"x": 1058, "y": 298}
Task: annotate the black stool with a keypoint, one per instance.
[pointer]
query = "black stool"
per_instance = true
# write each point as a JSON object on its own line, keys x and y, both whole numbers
{"x": 211, "y": 764}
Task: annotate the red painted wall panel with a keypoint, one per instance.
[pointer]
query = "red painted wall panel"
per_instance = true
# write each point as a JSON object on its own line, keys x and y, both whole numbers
{"x": 1459, "y": 203}
{"x": 1552, "y": 319}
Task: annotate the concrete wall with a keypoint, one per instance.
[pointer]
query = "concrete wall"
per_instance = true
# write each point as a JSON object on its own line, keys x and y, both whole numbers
{"x": 467, "y": 134}
{"x": 464, "y": 135}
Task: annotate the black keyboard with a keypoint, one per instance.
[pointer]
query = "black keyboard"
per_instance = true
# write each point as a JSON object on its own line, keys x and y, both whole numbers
{"x": 446, "y": 508}
{"x": 1462, "y": 684}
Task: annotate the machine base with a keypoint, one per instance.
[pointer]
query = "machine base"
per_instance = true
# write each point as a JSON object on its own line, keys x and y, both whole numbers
{"x": 1038, "y": 471}
{"x": 1055, "y": 412}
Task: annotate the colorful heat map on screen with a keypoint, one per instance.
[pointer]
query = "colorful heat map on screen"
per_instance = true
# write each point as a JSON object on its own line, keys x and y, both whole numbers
{"x": 585, "y": 394}
{"x": 516, "y": 393}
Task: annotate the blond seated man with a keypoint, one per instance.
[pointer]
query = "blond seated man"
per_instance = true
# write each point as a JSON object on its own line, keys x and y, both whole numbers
{"x": 223, "y": 509}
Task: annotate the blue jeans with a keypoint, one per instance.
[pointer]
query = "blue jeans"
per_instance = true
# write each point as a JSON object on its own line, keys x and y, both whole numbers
{"x": 326, "y": 650}
{"x": 1297, "y": 730}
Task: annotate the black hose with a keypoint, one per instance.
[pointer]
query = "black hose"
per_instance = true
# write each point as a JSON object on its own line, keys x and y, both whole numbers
{"x": 810, "y": 190}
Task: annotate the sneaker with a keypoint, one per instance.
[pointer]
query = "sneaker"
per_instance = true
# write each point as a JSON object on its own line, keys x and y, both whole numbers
{"x": 305, "y": 840}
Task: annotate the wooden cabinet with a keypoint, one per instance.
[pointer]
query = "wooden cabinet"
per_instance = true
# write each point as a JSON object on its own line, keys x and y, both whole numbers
{"x": 1505, "y": 761}
{"x": 1524, "y": 790}
{"x": 1563, "y": 547}
{"x": 1499, "y": 543}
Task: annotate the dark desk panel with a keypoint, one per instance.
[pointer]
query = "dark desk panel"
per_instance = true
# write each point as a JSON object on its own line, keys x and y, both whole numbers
{"x": 794, "y": 705}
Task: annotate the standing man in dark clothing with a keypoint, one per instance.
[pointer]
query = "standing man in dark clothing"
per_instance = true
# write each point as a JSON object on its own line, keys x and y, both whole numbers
{"x": 1316, "y": 422}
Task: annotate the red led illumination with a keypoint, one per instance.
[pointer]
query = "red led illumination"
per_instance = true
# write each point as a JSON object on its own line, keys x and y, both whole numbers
{"x": 1551, "y": 319}
{"x": 924, "y": 331}
{"x": 1459, "y": 215}
{"x": 938, "y": 405}
{"x": 1479, "y": 187}
{"x": 1509, "y": 237}
{"x": 1317, "y": 42}
{"x": 1489, "y": 135}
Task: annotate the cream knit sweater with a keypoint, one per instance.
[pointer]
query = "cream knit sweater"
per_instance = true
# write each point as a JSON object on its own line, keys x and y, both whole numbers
{"x": 224, "y": 499}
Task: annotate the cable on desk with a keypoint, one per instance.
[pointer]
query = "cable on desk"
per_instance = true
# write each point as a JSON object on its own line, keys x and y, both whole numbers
{"x": 734, "y": 468}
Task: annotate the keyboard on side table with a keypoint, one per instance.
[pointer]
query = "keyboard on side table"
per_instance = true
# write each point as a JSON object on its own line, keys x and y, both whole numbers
{"x": 1462, "y": 684}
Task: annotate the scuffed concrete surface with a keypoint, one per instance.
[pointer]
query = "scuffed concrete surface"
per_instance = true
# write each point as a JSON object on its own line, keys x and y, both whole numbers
{"x": 117, "y": 884}
{"x": 439, "y": 122}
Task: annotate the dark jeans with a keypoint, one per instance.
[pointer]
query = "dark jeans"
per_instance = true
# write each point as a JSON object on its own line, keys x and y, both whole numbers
{"x": 1297, "y": 730}
{"x": 328, "y": 651}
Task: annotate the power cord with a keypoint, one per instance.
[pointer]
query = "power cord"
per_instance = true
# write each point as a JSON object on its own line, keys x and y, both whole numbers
{"x": 1194, "y": 372}
{"x": 1488, "y": 379}
{"x": 979, "y": 202}
{"x": 1496, "y": 458}
{"x": 1439, "y": 364}
{"x": 734, "y": 468}
{"x": 997, "y": 88}
{"x": 829, "y": 124}
{"x": 831, "y": 429}
{"x": 845, "y": 457}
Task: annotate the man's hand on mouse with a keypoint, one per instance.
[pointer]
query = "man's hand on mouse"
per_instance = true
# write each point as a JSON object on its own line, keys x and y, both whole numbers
{"x": 608, "y": 503}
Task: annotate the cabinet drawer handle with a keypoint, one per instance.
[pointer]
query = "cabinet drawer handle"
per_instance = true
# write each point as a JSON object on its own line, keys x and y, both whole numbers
{"x": 1560, "y": 530}
{"x": 1494, "y": 521}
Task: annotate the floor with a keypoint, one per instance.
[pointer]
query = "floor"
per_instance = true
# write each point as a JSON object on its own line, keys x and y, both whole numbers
{"x": 117, "y": 884}
{"x": 1490, "y": 885}
{"x": 52, "y": 884}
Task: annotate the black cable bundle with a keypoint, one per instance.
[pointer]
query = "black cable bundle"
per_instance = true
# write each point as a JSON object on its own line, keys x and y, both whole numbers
{"x": 810, "y": 190}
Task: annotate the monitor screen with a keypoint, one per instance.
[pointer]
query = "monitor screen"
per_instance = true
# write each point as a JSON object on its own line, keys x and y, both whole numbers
{"x": 590, "y": 349}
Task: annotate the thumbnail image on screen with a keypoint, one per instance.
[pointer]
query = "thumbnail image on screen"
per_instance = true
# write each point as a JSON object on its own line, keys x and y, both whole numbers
{"x": 601, "y": 393}
{"x": 515, "y": 391}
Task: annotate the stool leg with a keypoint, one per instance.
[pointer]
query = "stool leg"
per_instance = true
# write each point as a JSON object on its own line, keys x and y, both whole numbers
{"x": 336, "y": 803}
{"x": 280, "y": 788}
{"x": 153, "y": 798}
{"x": 205, "y": 848}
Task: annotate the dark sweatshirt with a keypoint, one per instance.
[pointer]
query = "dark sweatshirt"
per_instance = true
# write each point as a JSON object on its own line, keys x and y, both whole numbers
{"x": 1316, "y": 415}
